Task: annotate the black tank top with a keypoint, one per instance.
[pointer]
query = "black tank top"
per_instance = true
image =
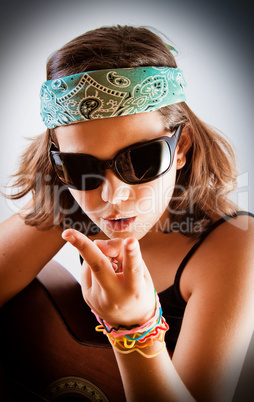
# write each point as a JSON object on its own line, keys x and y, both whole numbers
{"x": 172, "y": 302}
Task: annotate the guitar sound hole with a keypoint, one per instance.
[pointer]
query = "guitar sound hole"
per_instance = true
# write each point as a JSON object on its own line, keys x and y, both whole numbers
{"x": 71, "y": 389}
{"x": 72, "y": 398}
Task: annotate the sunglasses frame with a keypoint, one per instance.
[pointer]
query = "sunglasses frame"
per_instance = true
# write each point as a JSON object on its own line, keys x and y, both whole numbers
{"x": 111, "y": 163}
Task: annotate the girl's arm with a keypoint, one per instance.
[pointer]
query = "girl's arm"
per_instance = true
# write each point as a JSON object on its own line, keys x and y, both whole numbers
{"x": 153, "y": 379}
{"x": 24, "y": 250}
{"x": 217, "y": 325}
{"x": 127, "y": 298}
{"x": 218, "y": 320}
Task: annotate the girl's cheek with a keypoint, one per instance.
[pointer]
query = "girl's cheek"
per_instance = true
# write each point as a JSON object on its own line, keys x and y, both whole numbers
{"x": 89, "y": 201}
{"x": 153, "y": 196}
{"x": 147, "y": 198}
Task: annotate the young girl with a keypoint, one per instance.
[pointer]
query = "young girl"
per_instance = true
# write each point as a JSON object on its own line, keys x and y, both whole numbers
{"x": 167, "y": 259}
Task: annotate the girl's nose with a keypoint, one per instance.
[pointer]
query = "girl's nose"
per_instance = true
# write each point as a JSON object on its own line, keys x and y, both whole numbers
{"x": 114, "y": 190}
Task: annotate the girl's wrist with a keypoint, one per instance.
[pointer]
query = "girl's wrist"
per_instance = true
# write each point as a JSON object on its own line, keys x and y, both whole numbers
{"x": 133, "y": 323}
{"x": 142, "y": 338}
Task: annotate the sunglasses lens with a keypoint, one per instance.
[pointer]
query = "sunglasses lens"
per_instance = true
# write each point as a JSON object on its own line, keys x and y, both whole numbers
{"x": 145, "y": 162}
{"x": 76, "y": 171}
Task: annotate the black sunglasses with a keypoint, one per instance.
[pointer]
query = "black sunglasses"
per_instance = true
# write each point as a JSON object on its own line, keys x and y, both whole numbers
{"x": 139, "y": 163}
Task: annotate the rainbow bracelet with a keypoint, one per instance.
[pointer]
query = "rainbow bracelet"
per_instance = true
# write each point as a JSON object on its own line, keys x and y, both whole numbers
{"x": 134, "y": 338}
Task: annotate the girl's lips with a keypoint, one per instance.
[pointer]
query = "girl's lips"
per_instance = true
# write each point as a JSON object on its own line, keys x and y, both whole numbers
{"x": 119, "y": 225}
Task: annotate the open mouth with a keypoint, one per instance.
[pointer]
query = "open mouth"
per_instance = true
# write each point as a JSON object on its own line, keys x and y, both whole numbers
{"x": 119, "y": 225}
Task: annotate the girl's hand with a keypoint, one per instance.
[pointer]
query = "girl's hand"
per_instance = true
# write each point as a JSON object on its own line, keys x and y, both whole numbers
{"x": 122, "y": 292}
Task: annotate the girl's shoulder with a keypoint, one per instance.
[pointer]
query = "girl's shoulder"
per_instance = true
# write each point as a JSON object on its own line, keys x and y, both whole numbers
{"x": 226, "y": 253}
{"x": 231, "y": 234}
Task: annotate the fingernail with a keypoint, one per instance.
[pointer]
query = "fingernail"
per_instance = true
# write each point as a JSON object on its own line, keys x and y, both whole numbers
{"x": 131, "y": 246}
{"x": 68, "y": 237}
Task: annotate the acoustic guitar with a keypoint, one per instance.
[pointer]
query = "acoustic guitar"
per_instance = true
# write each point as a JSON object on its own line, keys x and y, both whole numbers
{"x": 50, "y": 350}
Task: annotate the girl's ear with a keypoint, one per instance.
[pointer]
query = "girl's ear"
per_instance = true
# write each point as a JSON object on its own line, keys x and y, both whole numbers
{"x": 183, "y": 146}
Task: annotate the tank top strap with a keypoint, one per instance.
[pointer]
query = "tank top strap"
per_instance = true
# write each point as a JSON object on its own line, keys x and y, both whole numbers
{"x": 198, "y": 243}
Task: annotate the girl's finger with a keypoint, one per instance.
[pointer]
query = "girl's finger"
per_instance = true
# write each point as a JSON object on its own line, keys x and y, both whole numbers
{"x": 96, "y": 260}
{"x": 85, "y": 277}
{"x": 133, "y": 265}
{"x": 111, "y": 248}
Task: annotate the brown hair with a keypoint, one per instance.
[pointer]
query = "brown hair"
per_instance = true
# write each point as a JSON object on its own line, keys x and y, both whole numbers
{"x": 202, "y": 184}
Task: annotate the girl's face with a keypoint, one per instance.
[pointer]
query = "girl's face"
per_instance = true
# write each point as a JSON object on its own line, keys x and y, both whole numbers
{"x": 119, "y": 209}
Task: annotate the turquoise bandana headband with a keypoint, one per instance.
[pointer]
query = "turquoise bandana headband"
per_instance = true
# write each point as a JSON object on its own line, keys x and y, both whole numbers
{"x": 109, "y": 93}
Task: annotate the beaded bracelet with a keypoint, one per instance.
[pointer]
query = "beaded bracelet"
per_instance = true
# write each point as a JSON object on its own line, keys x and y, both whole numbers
{"x": 134, "y": 338}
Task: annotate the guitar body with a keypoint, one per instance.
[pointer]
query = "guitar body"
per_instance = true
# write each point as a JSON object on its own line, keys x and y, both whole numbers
{"x": 49, "y": 348}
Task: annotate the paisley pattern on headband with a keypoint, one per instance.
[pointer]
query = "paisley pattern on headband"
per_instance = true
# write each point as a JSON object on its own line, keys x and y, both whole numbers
{"x": 109, "y": 93}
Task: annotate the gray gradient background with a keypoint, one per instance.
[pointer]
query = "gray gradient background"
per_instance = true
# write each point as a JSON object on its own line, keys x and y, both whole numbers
{"x": 215, "y": 51}
{"x": 215, "y": 43}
